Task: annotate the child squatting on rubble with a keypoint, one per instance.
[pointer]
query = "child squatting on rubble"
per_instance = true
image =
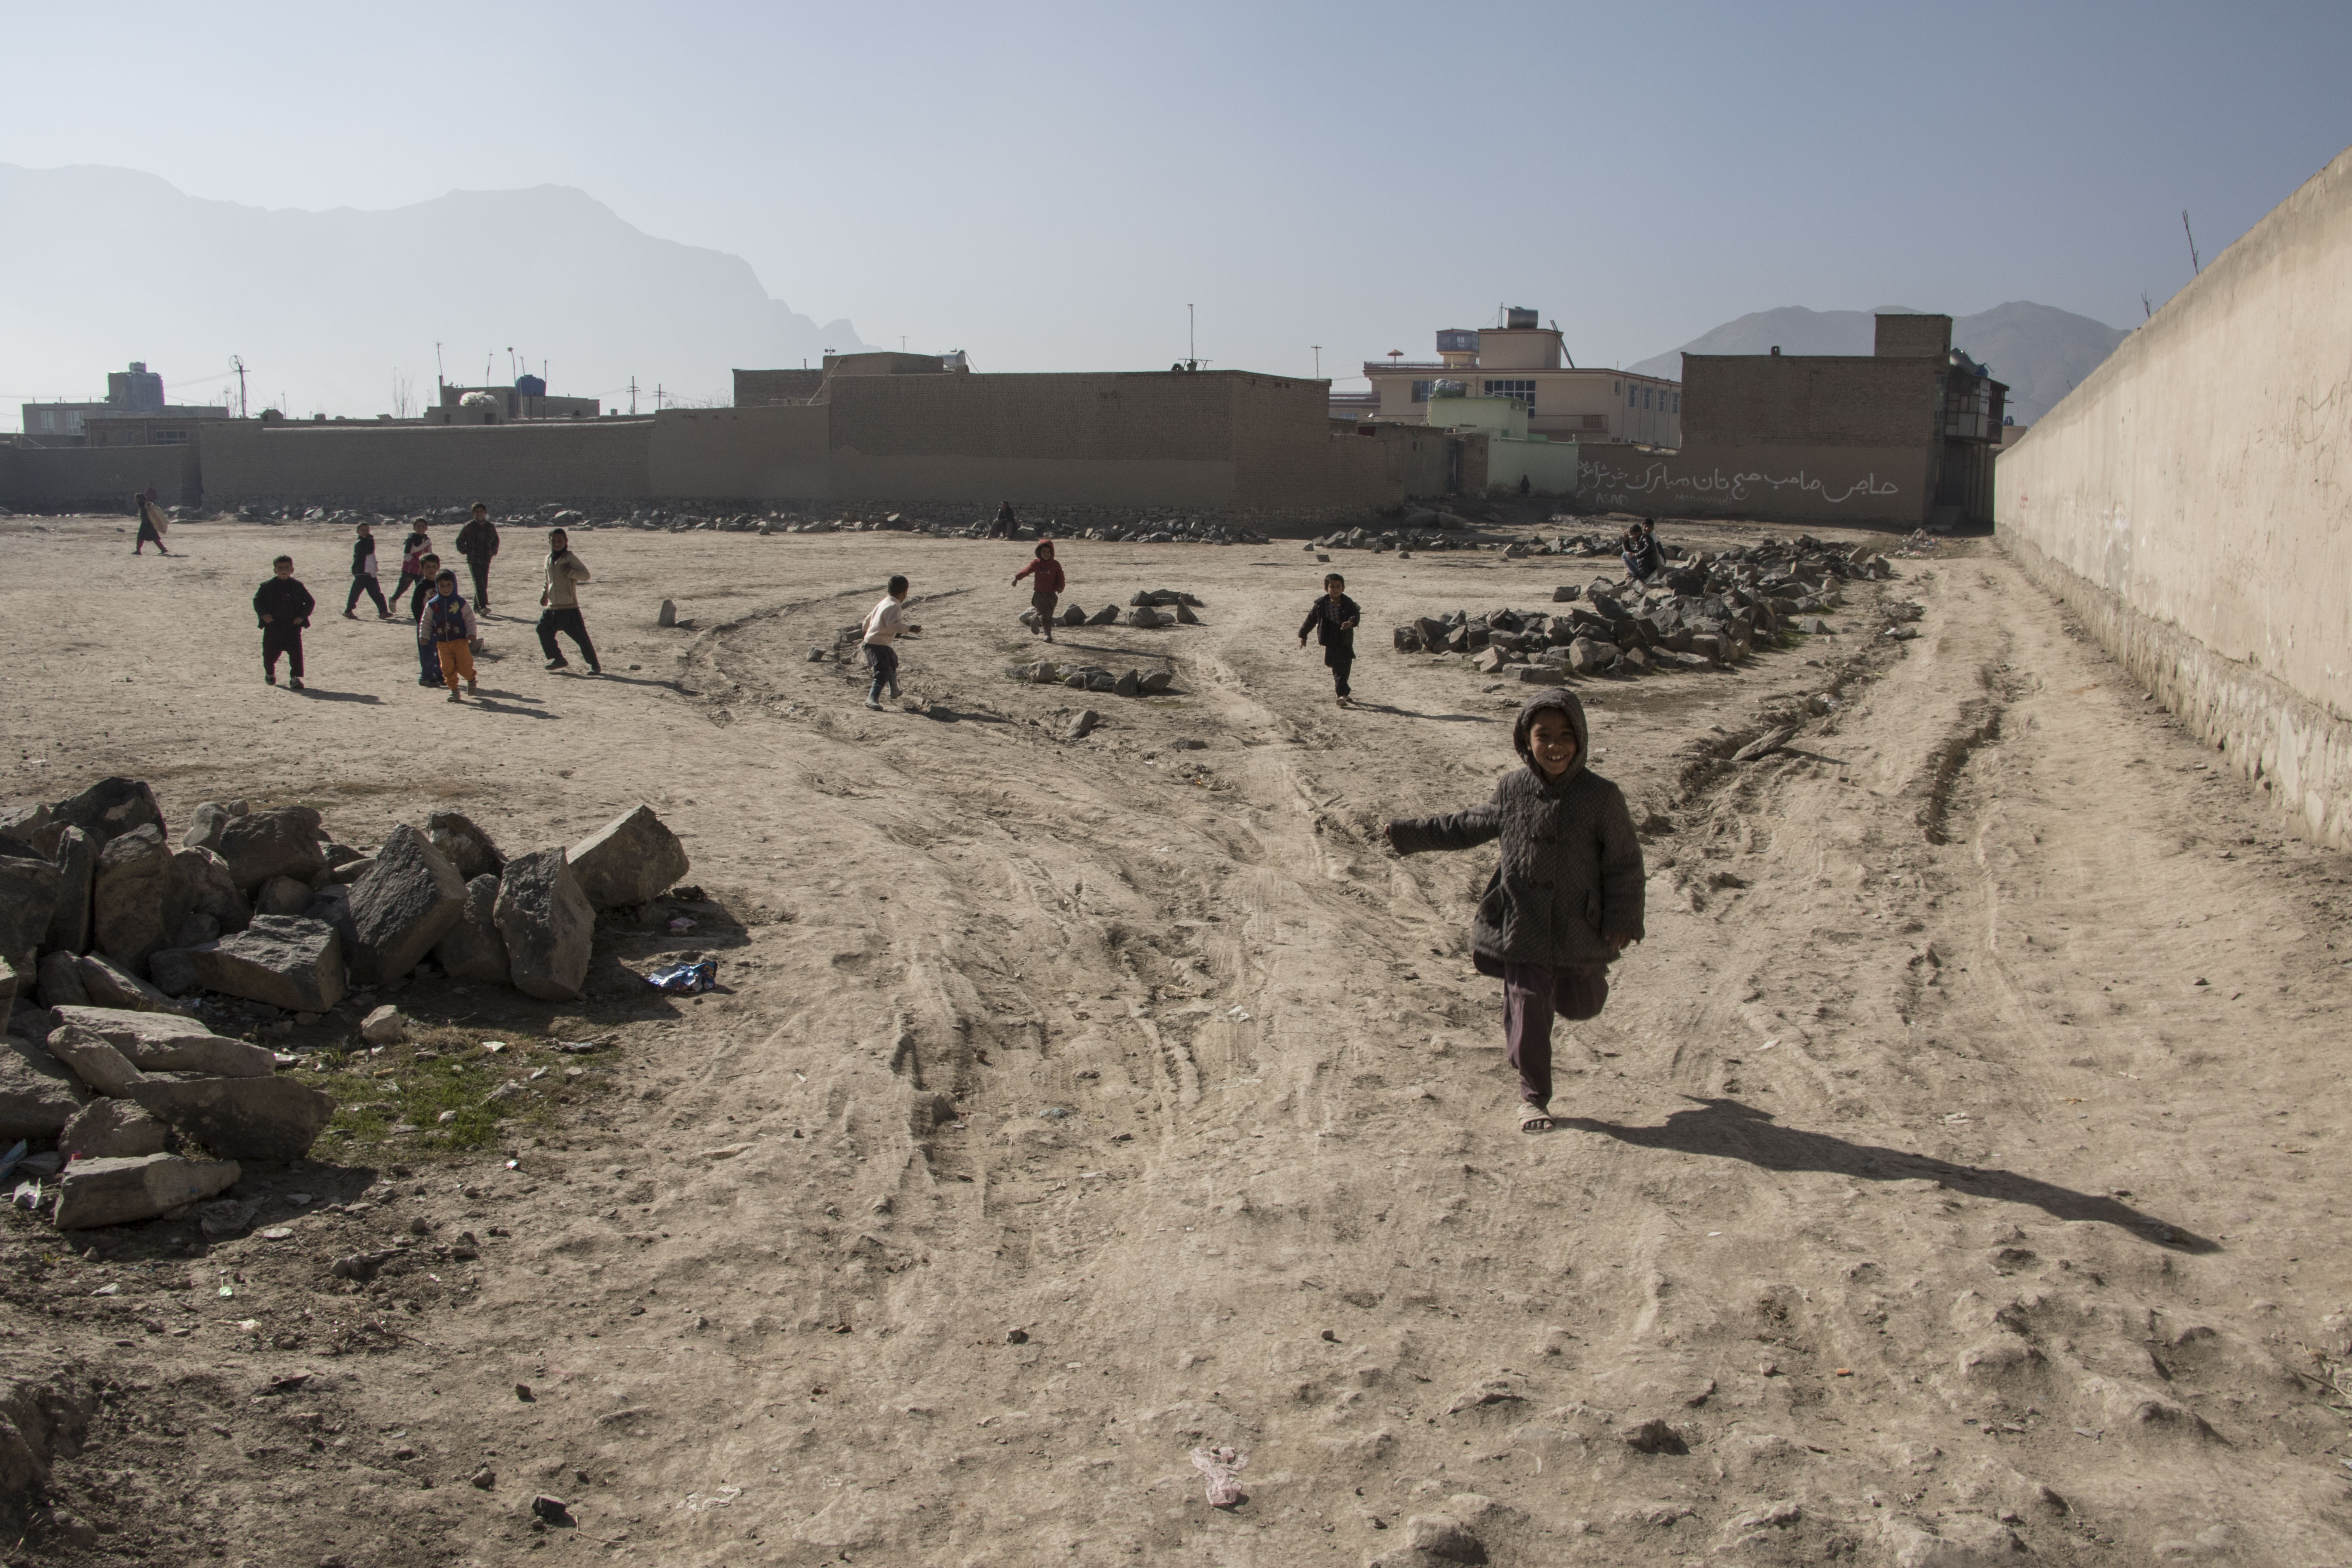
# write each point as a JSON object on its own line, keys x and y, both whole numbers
{"x": 1567, "y": 897}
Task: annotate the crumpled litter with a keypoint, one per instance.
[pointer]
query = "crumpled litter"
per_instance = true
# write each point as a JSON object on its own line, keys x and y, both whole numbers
{"x": 686, "y": 979}
{"x": 681, "y": 923}
{"x": 697, "y": 1501}
{"x": 1220, "y": 1465}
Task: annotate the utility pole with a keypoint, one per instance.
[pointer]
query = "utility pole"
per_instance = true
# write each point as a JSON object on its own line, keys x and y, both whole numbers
{"x": 1318, "y": 362}
{"x": 440, "y": 378}
{"x": 657, "y": 397}
{"x": 1191, "y": 340}
{"x": 632, "y": 397}
{"x": 238, "y": 361}
{"x": 2195, "y": 265}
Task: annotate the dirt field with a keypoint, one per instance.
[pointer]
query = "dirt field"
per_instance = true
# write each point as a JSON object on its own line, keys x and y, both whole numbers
{"x": 1958, "y": 1168}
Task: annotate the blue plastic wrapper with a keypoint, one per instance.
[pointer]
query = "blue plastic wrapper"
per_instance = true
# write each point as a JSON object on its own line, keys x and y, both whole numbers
{"x": 686, "y": 979}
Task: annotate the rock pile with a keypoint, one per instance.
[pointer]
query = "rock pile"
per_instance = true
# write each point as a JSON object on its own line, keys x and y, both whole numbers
{"x": 147, "y": 958}
{"x": 1702, "y": 611}
{"x": 1092, "y": 678}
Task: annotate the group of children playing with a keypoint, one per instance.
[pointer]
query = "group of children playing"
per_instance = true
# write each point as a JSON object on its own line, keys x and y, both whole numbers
{"x": 448, "y": 634}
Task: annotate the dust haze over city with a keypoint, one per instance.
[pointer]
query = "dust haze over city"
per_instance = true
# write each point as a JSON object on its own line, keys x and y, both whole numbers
{"x": 1302, "y": 785}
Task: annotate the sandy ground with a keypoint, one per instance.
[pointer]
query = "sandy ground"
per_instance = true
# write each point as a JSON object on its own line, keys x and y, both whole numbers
{"x": 1958, "y": 1166}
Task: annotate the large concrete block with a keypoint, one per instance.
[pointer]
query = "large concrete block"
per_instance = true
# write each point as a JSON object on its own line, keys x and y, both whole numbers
{"x": 285, "y": 961}
{"x": 240, "y": 1118}
{"x": 165, "y": 1042}
{"x": 139, "y": 902}
{"x": 628, "y": 860}
{"x": 94, "y": 1059}
{"x": 37, "y": 1095}
{"x": 548, "y": 924}
{"x": 406, "y": 903}
{"x": 112, "y": 1130}
{"x": 472, "y": 949}
{"x": 117, "y": 1191}
{"x": 107, "y": 985}
{"x": 280, "y": 842}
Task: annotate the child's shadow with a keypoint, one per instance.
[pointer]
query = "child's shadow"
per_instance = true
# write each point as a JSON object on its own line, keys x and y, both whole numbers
{"x": 340, "y": 695}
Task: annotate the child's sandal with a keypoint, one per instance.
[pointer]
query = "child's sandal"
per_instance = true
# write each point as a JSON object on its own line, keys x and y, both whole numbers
{"x": 1534, "y": 1119}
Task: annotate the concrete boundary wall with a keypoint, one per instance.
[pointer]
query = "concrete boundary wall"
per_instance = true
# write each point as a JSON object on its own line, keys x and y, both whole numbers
{"x": 2283, "y": 743}
{"x": 95, "y": 479}
{"x": 1865, "y": 486}
{"x": 2192, "y": 503}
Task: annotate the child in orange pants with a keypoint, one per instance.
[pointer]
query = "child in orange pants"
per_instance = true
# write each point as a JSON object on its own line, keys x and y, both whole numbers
{"x": 449, "y": 626}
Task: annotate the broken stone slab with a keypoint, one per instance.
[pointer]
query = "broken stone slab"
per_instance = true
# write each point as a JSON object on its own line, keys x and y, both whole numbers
{"x": 211, "y": 890}
{"x": 403, "y": 907}
{"x": 1566, "y": 592}
{"x": 108, "y": 986}
{"x": 472, "y": 949}
{"x": 1490, "y": 659}
{"x": 466, "y": 842}
{"x": 61, "y": 983}
{"x": 349, "y": 871}
{"x": 1588, "y": 655}
{"x": 140, "y": 901}
{"x": 280, "y": 842}
{"x": 1128, "y": 685}
{"x": 387, "y": 1026}
{"x": 547, "y": 922}
{"x": 1543, "y": 675}
{"x": 628, "y": 860}
{"x": 206, "y": 824}
{"x": 1765, "y": 744}
{"x": 35, "y": 827}
{"x": 171, "y": 970}
{"x": 1144, "y": 616}
{"x": 1073, "y": 616}
{"x": 668, "y": 614}
{"x": 93, "y": 1192}
{"x": 1158, "y": 681}
{"x": 240, "y": 1118}
{"x": 94, "y": 1059}
{"x": 1083, "y": 725}
{"x": 166, "y": 1042}
{"x": 1105, "y": 617}
{"x": 111, "y": 808}
{"x": 280, "y": 896}
{"x": 1184, "y": 615}
{"x": 37, "y": 1095}
{"x": 28, "y": 902}
{"x": 110, "y": 1129}
{"x": 288, "y": 960}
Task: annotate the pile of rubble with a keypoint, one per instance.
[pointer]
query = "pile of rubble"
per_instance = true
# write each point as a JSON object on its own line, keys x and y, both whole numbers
{"x": 1702, "y": 612}
{"x": 1151, "y": 608}
{"x": 1092, "y": 678}
{"x": 128, "y": 966}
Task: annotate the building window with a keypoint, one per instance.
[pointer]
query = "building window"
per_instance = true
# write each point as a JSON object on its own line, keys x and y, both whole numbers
{"x": 1633, "y": 397}
{"x": 1678, "y": 403}
{"x": 1525, "y": 391}
{"x": 1646, "y": 398}
{"x": 170, "y": 437}
{"x": 1596, "y": 421}
{"x": 1421, "y": 391}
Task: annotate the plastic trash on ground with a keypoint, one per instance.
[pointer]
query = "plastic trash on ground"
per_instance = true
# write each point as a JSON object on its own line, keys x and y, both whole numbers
{"x": 1220, "y": 1465}
{"x": 686, "y": 979}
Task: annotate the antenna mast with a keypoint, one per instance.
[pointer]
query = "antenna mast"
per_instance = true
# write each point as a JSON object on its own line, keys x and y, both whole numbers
{"x": 2195, "y": 265}
{"x": 238, "y": 361}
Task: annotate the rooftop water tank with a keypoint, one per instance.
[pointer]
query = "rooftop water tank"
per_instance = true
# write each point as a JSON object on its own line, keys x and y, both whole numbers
{"x": 530, "y": 386}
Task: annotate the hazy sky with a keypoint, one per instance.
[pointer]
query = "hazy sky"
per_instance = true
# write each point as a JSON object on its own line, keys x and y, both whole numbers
{"x": 1048, "y": 187}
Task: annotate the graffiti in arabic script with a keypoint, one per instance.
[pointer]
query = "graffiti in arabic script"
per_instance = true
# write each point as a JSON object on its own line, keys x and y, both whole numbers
{"x": 1655, "y": 480}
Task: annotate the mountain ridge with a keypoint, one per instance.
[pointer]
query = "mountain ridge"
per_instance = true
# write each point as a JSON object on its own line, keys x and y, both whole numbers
{"x": 325, "y": 305}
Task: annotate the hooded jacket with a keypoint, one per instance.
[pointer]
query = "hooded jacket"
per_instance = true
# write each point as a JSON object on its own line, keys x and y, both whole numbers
{"x": 1570, "y": 876}
{"x": 1047, "y": 571}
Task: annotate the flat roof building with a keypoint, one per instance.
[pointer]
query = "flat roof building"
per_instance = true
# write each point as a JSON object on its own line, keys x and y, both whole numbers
{"x": 133, "y": 415}
{"x": 1529, "y": 362}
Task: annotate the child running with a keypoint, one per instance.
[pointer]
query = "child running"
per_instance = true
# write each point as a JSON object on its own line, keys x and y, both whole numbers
{"x": 1047, "y": 589}
{"x": 1333, "y": 621}
{"x": 428, "y": 652}
{"x": 882, "y": 626}
{"x": 363, "y": 577}
{"x": 1567, "y": 897}
{"x": 282, "y": 606}
{"x": 448, "y": 621}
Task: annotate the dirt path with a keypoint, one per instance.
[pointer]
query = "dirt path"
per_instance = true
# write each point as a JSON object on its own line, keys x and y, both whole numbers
{"x": 1954, "y": 1166}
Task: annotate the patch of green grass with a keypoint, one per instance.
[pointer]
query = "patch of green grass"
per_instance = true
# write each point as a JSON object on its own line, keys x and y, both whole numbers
{"x": 440, "y": 1071}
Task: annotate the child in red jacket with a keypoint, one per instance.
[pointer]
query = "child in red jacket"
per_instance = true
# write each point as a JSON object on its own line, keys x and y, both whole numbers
{"x": 1048, "y": 588}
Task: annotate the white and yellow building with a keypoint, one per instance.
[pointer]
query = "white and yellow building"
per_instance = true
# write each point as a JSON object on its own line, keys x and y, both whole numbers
{"x": 1528, "y": 363}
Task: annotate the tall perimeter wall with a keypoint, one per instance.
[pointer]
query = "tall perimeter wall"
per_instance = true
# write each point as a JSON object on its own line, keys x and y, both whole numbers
{"x": 2192, "y": 503}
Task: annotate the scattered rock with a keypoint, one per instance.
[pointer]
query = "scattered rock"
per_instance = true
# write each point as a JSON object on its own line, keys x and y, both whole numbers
{"x": 467, "y": 846}
{"x": 1766, "y": 744}
{"x": 1105, "y": 617}
{"x": 472, "y": 948}
{"x": 1128, "y": 685}
{"x": 1073, "y": 616}
{"x": 94, "y": 1059}
{"x": 115, "y": 1192}
{"x": 1158, "y": 681}
{"x": 110, "y": 1129}
{"x": 288, "y": 960}
{"x": 406, "y": 904}
{"x": 281, "y": 896}
{"x": 1083, "y": 725}
{"x": 628, "y": 860}
{"x": 210, "y": 890}
{"x": 280, "y": 842}
{"x": 107, "y": 987}
{"x": 1543, "y": 675}
{"x": 552, "y": 1511}
{"x": 668, "y": 614}
{"x": 241, "y": 1118}
{"x": 61, "y": 983}
{"x": 76, "y": 859}
{"x": 384, "y": 1026}
{"x": 547, "y": 922}
{"x": 1655, "y": 1436}
{"x": 1144, "y": 616}
{"x": 139, "y": 902}
{"x": 205, "y": 825}
{"x": 1588, "y": 655}
{"x": 37, "y": 1095}
{"x": 111, "y": 808}
{"x": 1442, "y": 1536}
{"x": 1185, "y": 618}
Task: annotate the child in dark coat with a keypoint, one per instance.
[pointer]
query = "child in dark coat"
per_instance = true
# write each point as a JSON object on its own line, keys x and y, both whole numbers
{"x": 282, "y": 607}
{"x": 1567, "y": 897}
{"x": 1333, "y": 620}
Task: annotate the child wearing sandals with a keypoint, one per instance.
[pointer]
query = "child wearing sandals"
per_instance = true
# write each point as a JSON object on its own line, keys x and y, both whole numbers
{"x": 1566, "y": 899}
